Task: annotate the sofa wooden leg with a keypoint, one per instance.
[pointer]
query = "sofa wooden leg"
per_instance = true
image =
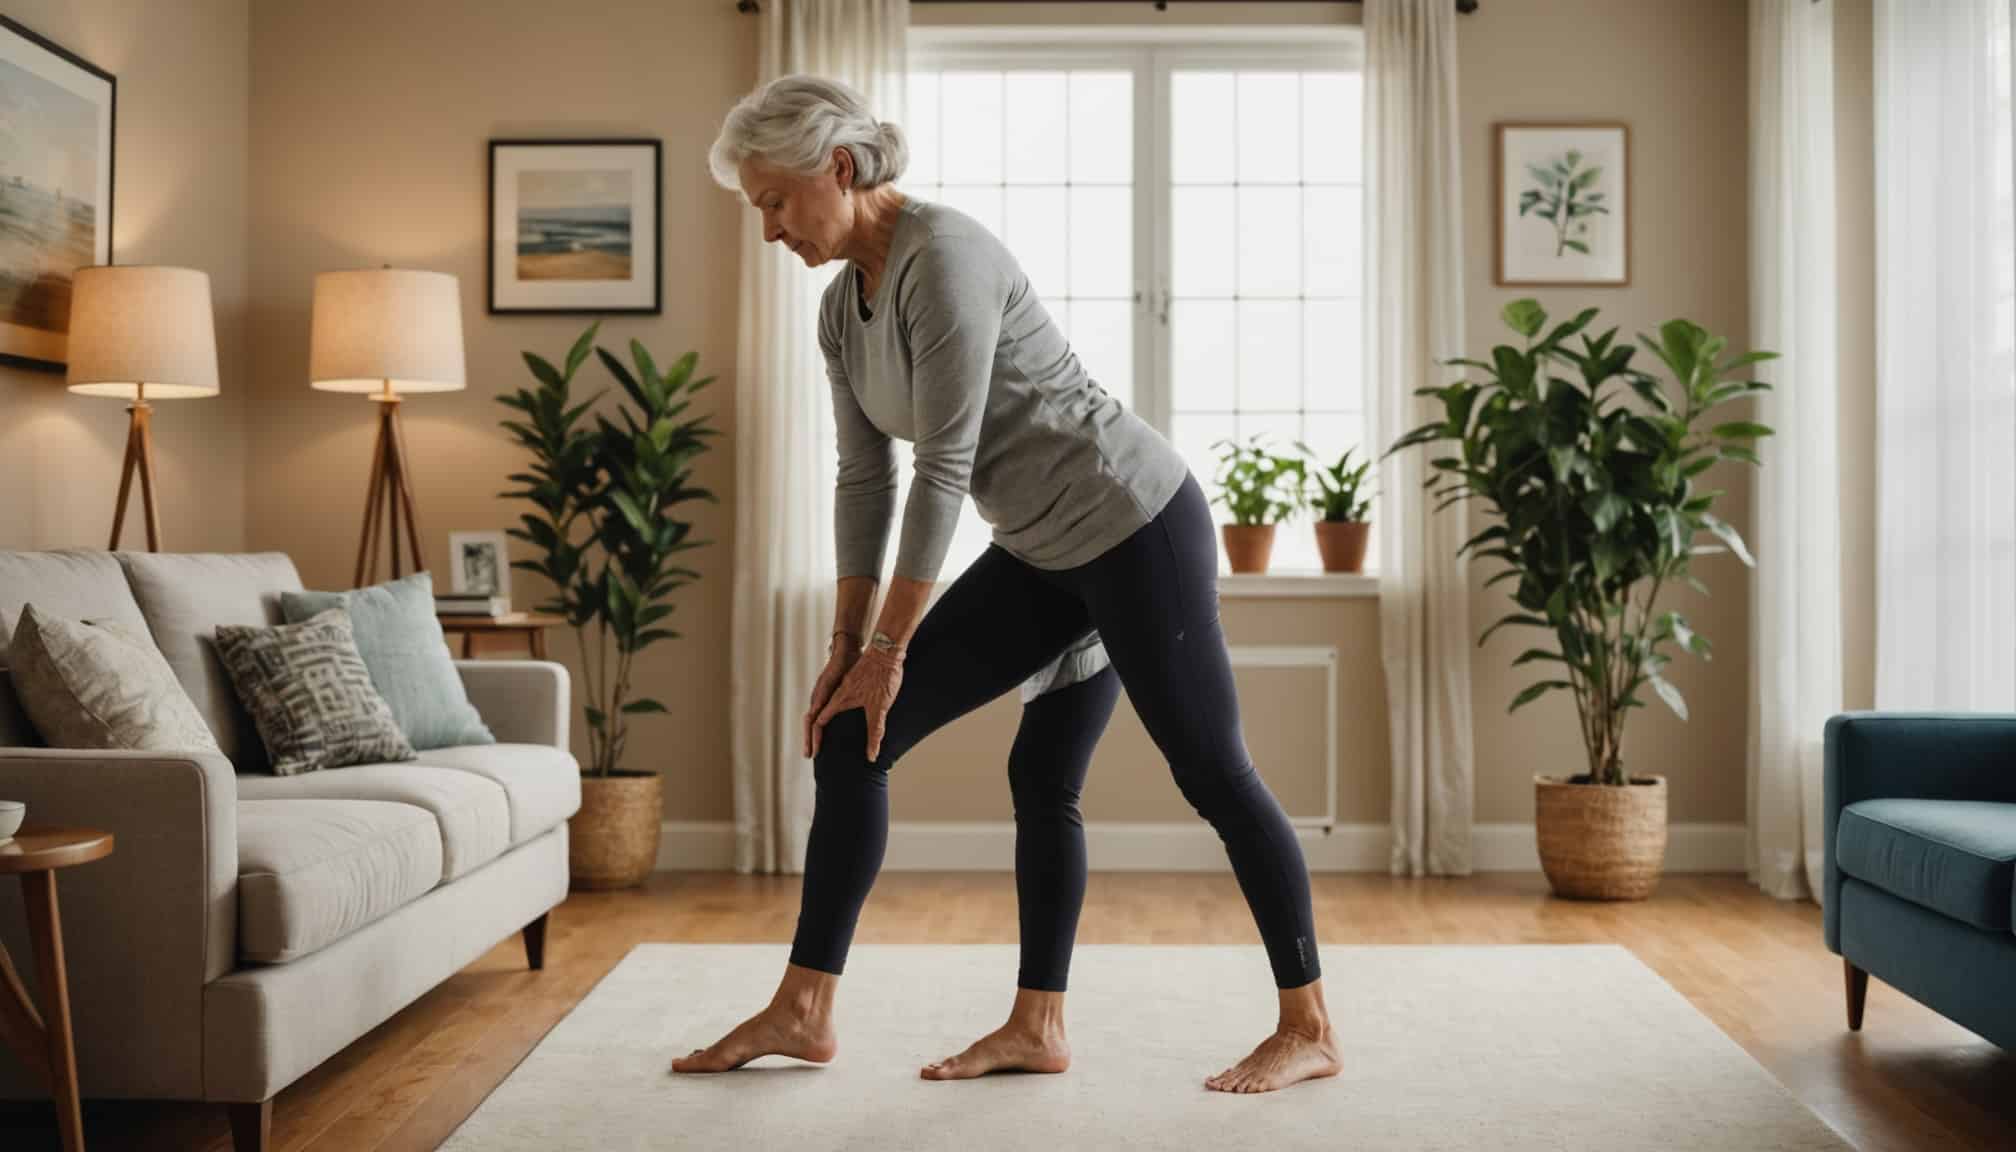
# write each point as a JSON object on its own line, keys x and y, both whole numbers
{"x": 252, "y": 1126}
{"x": 535, "y": 943}
{"x": 1858, "y": 993}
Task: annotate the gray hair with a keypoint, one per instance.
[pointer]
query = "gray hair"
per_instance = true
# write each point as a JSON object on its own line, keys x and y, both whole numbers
{"x": 795, "y": 122}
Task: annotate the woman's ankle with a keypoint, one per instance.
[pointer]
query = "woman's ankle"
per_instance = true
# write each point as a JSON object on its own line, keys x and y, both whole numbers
{"x": 1037, "y": 1011}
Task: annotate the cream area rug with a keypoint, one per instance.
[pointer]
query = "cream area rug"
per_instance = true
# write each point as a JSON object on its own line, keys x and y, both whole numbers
{"x": 1500, "y": 1048}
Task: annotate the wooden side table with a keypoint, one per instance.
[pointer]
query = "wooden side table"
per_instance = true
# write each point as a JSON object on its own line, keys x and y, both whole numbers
{"x": 529, "y": 627}
{"x": 35, "y": 852}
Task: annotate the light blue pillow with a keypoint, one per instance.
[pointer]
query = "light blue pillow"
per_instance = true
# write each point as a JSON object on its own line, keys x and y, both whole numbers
{"x": 401, "y": 642}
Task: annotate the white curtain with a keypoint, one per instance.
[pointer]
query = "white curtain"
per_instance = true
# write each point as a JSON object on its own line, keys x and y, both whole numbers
{"x": 1795, "y": 607}
{"x": 1945, "y": 326}
{"x": 1413, "y": 320}
{"x": 784, "y": 452}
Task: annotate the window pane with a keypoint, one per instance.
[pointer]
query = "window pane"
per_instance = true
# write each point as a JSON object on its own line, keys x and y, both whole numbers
{"x": 982, "y": 202}
{"x": 1102, "y": 334}
{"x": 921, "y": 126}
{"x": 1333, "y": 125}
{"x": 972, "y": 132}
{"x": 1329, "y": 433}
{"x": 1037, "y": 236}
{"x": 1269, "y": 126}
{"x": 1202, "y": 240}
{"x": 1102, "y": 127}
{"x": 1201, "y": 361}
{"x": 1270, "y": 355}
{"x": 1102, "y": 242}
{"x": 1193, "y": 434}
{"x": 1333, "y": 230}
{"x": 1333, "y": 355}
{"x": 1278, "y": 430}
{"x": 1201, "y": 136}
{"x": 1037, "y": 128}
{"x": 1270, "y": 241}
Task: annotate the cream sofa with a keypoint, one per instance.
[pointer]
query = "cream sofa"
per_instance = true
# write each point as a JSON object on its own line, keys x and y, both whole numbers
{"x": 248, "y": 926}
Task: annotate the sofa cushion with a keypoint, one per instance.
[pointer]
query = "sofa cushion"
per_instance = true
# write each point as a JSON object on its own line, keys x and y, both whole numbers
{"x": 542, "y": 783}
{"x": 310, "y": 694}
{"x": 311, "y": 872}
{"x": 184, "y": 597}
{"x": 78, "y": 585}
{"x": 401, "y": 642}
{"x": 1956, "y": 857}
{"x": 92, "y": 684}
{"x": 474, "y": 816}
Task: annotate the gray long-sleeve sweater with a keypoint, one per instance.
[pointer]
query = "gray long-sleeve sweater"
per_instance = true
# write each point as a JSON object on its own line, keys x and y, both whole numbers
{"x": 957, "y": 355}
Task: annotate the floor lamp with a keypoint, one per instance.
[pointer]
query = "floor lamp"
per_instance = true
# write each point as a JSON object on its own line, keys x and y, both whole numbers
{"x": 386, "y": 332}
{"x": 141, "y": 333}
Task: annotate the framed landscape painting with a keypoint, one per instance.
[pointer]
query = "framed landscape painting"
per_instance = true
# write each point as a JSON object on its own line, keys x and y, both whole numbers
{"x": 574, "y": 226}
{"x": 55, "y": 190}
{"x": 1563, "y": 208}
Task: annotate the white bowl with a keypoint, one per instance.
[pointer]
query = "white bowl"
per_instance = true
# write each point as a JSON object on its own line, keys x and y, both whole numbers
{"x": 11, "y": 814}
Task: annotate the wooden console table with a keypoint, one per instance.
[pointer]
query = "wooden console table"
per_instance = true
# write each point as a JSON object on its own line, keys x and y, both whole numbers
{"x": 35, "y": 852}
{"x": 530, "y": 627}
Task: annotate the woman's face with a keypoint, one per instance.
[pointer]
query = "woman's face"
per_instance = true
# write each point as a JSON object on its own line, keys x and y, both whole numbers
{"x": 806, "y": 214}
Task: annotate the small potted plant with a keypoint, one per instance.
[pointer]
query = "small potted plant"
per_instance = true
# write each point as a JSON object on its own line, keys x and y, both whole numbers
{"x": 1597, "y": 506}
{"x": 607, "y": 530}
{"x": 1260, "y": 489}
{"x": 1340, "y": 504}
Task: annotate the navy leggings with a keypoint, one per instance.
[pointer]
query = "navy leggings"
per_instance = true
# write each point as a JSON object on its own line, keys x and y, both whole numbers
{"x": 1154, "y": 599}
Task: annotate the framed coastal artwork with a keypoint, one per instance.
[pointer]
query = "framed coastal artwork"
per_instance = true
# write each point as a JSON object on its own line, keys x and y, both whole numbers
{"x": 55, "y": 190}
{"x": 574, "y": 226}
{"x": 1563, "y": 212}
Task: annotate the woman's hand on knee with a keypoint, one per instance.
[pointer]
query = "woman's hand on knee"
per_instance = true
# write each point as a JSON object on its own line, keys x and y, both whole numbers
{"x": 870, "y": 685}
{"x": 841, "y": 657}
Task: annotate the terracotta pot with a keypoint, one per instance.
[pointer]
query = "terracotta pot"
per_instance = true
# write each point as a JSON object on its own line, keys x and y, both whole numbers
{"x": 612, "y": 842}
{"x": 1248, "y": 546}
{"x": 1342, "y": 543}
{"x": 1601, "y": 842}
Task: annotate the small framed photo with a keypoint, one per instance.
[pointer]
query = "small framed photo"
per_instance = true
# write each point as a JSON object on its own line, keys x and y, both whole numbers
{"x": 575, "y": 226}
{"x": 55, "y": 190}
{"x": 479, "y": 564}
{"x": 1563, "y": 209}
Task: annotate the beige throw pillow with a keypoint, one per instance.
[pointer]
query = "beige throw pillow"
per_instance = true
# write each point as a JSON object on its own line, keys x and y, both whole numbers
{"x": 89, "y": 684}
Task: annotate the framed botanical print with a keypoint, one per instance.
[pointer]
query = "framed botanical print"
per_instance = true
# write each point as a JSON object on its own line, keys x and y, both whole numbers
{"x": 55, "y": 190}
{"x": 575, "y": 226}
{"x": 1563, "y": 203}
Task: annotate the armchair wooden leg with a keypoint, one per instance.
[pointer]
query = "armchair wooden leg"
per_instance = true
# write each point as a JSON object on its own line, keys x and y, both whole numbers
{"x": 252, "y": 1126}
{"x": 1857, "y": 982}
{"x": 535, "y": 943}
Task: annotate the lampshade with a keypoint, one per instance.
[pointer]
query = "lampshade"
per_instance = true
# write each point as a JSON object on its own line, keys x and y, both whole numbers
{"x": 374, "y": 325}
{"x": 134, "y": 325}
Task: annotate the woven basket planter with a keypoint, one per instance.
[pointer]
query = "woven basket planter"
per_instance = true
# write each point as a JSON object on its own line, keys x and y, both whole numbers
{"x": 1601, "y": 843}
{"x": 612, "y": 842}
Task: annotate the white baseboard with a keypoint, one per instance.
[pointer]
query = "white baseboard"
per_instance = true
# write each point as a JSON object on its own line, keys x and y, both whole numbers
{"x": 989, "y": 846}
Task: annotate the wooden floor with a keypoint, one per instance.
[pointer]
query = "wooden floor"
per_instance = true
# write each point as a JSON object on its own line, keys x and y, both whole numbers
{"x": 1756, "y": 967}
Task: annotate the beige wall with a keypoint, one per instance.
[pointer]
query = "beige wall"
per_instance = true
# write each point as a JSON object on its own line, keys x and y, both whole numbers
{"x": 368, "y": 126}
{"x": 178, "y": 198}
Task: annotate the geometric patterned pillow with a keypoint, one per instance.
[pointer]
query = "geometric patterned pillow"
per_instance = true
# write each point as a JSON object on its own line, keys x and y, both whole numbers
{"x": 310, "y": 694}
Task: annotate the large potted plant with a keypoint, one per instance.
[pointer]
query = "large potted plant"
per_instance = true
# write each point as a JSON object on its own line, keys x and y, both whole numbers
{"x": 1341, "y": 505}
{"x": 1597, "y": 510}
{"x": 1260, "y": 489}
{"x": 607, "y": 535}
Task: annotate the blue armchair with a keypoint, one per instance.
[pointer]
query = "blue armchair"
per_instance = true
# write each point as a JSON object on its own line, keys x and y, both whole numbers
{"x": 1920, "y": 835}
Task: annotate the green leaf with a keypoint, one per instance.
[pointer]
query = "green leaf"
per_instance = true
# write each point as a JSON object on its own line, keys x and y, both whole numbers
{"x": 1520, "y": 619}
{"x": 1667, "y": 692}
{"x": 1741, "y": 430}
{"x": 640, "y": 707}
{"x": 1533, "y": 654}
{"x": 1534, "y": 692}
{"x": 1729, "y": 536}
{"x": 1577, "y": 245}
{"x": 579, "y": 352}
{"x": 1525, "y": 316}
{"x": 544, "y": 371}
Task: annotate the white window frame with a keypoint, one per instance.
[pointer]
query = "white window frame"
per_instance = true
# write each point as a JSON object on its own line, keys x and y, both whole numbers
{"x": 1152, "y": 54}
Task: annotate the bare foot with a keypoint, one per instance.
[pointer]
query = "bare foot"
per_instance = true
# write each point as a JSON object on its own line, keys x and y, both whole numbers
{"x": 1287, "y": 1057}
{"x": 775, "y": 1030}
{"x": 1006, "y": 1049}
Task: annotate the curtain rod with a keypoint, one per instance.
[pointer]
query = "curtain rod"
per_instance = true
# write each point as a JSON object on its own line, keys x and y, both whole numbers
{"x": 1464, "y": 6}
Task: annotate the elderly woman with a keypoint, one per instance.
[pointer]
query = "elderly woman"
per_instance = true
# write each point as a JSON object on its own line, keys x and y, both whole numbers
{"x": 1103, "y": 549}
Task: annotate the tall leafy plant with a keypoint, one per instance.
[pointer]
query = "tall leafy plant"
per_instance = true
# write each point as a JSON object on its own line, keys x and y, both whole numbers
{"x": 603, "y": 523}
{"x": 1339, "y": 495}
{"x": 1596, "y": 499}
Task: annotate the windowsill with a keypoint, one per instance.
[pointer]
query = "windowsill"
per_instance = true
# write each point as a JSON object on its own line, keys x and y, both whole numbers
{"x": 1301, "y": 583}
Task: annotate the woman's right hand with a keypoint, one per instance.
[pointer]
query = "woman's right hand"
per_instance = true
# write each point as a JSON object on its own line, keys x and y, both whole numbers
{"x": 845, "y": 651}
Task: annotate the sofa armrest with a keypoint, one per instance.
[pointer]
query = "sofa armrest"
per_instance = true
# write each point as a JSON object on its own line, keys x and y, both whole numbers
{"x": 522, "y": 701}
{"x": 1913, "y": 755}
{"x": 145, "y": 928}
